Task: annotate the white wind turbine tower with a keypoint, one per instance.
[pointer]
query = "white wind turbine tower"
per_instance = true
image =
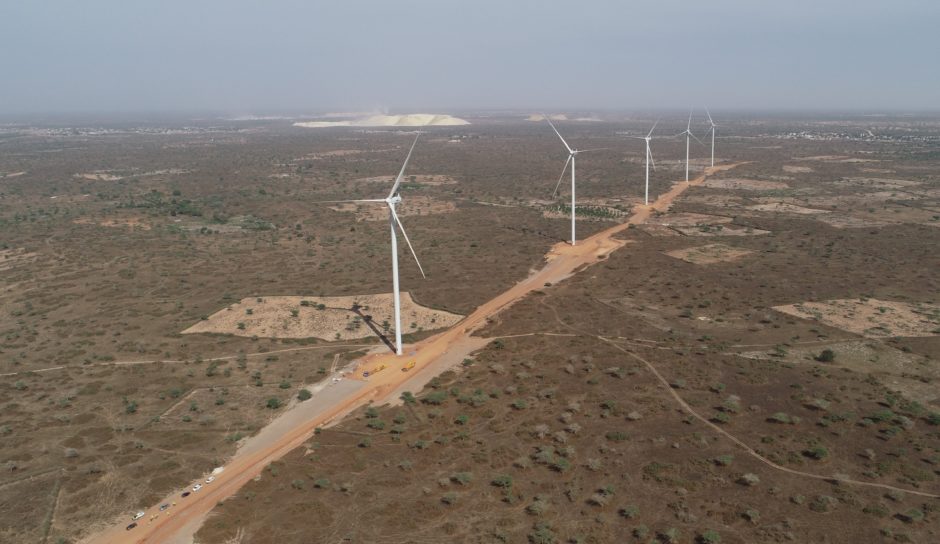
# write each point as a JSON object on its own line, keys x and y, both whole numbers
{"x": 688, "y": 134}
{"x": 571, "y": 158}
{"x": 713, "y": 126}
{"x": 392, "y": 200}
{"x": 649, "y": 160}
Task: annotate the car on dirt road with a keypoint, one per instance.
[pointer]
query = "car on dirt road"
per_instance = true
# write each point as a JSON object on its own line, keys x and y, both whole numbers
{"x": 197, "y": 487}
{"x": 185, "y": 494}
{"x": 131, "y": 526}
{"x": 137, "y": 516}
{"x": 210, "y": 479}
{"x": 164, "y": 506}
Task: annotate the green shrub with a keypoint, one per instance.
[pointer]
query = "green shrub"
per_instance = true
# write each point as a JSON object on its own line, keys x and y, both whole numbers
{"x": 273, "y": 403}
{"x": 303, "y": 395}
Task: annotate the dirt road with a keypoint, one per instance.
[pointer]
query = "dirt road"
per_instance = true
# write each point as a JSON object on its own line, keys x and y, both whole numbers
{"x": 432, "y": 356}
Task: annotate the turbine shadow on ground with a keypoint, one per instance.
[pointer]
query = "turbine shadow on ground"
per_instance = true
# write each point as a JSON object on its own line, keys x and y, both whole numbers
{"x": 367, "y": 319}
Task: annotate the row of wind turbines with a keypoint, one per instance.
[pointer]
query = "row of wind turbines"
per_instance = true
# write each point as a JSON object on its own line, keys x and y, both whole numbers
{"x": 572, "y": 153}
{"x": 393, "y": 199}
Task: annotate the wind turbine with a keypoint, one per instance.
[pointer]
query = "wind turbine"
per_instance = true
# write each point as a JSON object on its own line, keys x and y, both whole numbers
{"x": 392, "y": 200}
{"x": 571, "y": 158}
{"x": 713, "y": 126}
{"x": 688, "y": 133}
{"x": 649, "y": 160}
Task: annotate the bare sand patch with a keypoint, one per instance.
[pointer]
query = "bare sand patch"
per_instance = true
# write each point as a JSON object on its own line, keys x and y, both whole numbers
{"x": 423, "y": 179}
{"x": 840, "y": 221}
{"x": 686, "y": 219}
{"x": 123, "y": 222}
{"x": 791, "y": 169}
{"x": 414, "y": 205}
{"x": 10, "y": 258}
{"x": 708, "y": 254}
{"x": 745, "y": 184}
{"x": 720, "y": 230}
{"x": 99, "y": 176}
{"x": 327, "y": 318}
{"x": 408, "y": 120}
{"x": 877, "y": 183}
{"x": 784, "y": 207}
{"x": 5, "y": 175}
{"x": 720, "y": 200}
{"x": 871, "y": 317}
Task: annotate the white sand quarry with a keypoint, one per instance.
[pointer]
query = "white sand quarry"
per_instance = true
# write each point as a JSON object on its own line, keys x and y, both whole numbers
{"x": 408, "y": 120}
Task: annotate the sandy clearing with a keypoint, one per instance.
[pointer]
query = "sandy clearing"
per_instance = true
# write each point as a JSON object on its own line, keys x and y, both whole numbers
{"x": 6, "y": 175}
{"x": 10, "y": 258}
{"x": 708, "y": 254}
{"x": 720, "y": 230}
{"x": 686, "y": 219}
{"x": 745, "y": 184}
{"x": 342, "y": 318}
{"x": 562, "y": 261}
{"x": 783, "y": 207}
{"x": 878, "y": 183}
{"x": 127, "y": 222}
{"x": 791, "y": 169}
{"x": 871, "y": 318}
{"x": 850, "y": 222}
{"x": 409, "y": 120}
{"x": 413, "y": 205}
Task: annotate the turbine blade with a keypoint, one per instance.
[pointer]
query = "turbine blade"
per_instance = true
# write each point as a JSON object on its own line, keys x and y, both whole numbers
{"x": 568, "y": 147}
{"x": 709, "y": 117}
{"x": 391, "y": 209}
{"x": 696, "y": 138}
{"x": 652, "y": 162}
{"x": 562, "y": 176}
{"x": 402, "y": 173}
{"x": 360, "y": 200}
{"x": 689, "y": 126}
{"x": 652, "y": 129}
{"x": 593, "y": 149}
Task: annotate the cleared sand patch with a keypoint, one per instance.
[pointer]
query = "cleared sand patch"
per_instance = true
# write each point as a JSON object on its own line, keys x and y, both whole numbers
{"x": 871, "y": 317}
{"x": 877, "y": 183}
{"x": 99, "y": 176}
{"x": 850, "y": 222}
{"x": 423, "y": 179}
{"x": 791, "y": 169}
{"x": 708, "y": 254}
{"x": 327, "y": 318}
{"x": 410, "y": 120}
{"x": 720, "y": 230}
{"x": 10, "y": 258}
{"x": 4, "y": 175}
{"x": 659, "y": 230}
{"x": 745, "y": 184}
{"x": 697, "y": 224}
{"x": 125, "y": 222}
{"x": 687, "y": 219}
{"x": 783, "y": 207}
{"x": 720, "y": 200}
{"x": 414, "y": 205}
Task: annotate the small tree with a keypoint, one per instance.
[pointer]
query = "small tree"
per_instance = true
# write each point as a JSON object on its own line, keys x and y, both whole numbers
{"x": 826, "y": 356}
{"x": 273, "y": 403}
{"x": 303, "y": 395}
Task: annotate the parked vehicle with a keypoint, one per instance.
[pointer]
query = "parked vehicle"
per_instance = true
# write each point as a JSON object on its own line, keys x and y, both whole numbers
{"x": 131, "y": 526}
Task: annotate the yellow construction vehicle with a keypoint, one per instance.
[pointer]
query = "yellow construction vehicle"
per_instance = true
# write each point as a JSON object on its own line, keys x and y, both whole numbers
{"x": 407, "y": 367}
{"x": 375, "y": 370}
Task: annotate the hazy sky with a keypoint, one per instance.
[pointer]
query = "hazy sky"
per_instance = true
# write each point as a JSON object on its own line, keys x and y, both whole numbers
{"x": 435, "y": 55}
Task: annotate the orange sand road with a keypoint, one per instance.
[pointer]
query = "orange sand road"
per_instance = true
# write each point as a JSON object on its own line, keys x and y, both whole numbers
{"x": 562, "y": 261}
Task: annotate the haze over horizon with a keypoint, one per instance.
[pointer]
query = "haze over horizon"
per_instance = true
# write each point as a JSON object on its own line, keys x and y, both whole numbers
{"x": 424, "y": 55}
